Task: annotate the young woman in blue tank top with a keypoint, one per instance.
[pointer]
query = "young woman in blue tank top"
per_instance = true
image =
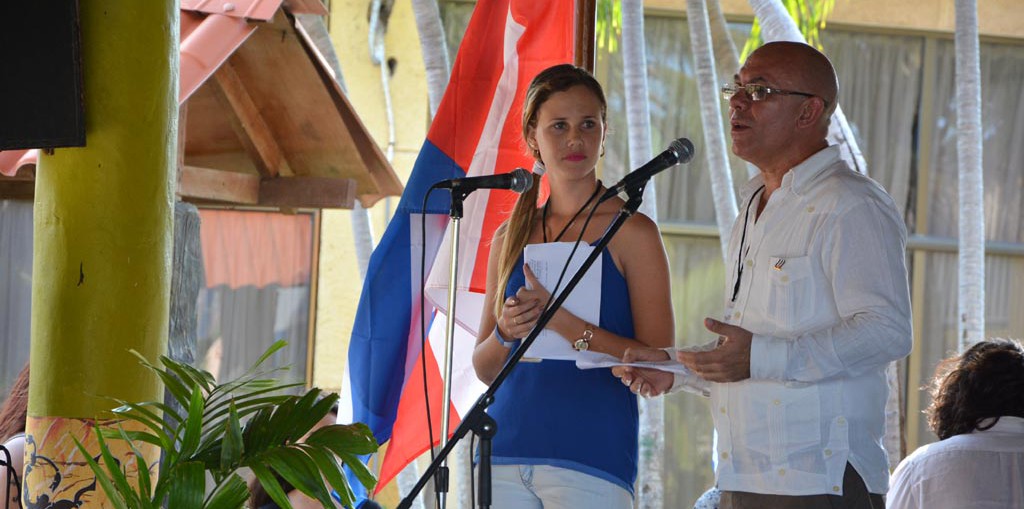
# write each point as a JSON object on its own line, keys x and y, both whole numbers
{"x": 568, "y": 437}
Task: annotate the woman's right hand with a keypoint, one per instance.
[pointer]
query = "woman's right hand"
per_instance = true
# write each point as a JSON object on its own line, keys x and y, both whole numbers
{"x": 518, "y": 316}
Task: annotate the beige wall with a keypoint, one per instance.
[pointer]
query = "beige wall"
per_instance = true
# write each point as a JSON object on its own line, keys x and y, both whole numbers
{"x": 998, "y": 18}
{"x": 339, "y": 281}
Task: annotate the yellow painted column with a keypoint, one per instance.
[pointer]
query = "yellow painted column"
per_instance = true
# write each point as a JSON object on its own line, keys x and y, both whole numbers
{"x": 102, "y": 250}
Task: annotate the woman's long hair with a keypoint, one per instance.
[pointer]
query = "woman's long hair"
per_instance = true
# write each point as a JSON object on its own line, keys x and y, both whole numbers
{"x": 554, "y": 79}
{"x": 15, "y": 409}
{"x": 972, "y": 390}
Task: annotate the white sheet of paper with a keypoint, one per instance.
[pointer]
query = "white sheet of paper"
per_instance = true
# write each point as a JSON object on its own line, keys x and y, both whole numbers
{"x": 685, "y": 379}
{"x": 546, "y": 261}
{"x": 608, "y": 361}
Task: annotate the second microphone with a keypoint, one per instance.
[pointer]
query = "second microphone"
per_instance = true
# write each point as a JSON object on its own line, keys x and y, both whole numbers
{"x": 517, "y": 180}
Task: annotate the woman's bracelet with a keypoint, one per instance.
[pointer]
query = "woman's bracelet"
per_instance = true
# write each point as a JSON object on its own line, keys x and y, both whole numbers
{"x": 501, "y": 339}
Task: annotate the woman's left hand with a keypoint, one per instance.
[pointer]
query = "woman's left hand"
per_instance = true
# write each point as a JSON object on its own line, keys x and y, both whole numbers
{"x": 538, "y": 292}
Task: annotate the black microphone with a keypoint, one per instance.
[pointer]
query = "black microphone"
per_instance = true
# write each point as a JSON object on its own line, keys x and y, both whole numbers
{"x": 679, "y": 151}
{"x": 517, "y": 180}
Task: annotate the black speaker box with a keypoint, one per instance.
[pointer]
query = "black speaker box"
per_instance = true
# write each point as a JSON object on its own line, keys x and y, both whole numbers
{"x": 40, "y": 75}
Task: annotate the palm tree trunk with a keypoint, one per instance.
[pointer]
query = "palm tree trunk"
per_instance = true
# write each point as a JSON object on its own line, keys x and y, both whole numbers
{"x": 638, "y": 113}
{"x": 727, "y": 59}
{"x": 777, "y": 25}
{"x": 407, "y": 479}
{"x": 971, "y": 267}
{"x": 434, "y": 48}
{"x": 650, "y": 487}
{"x": 711, "y": 119}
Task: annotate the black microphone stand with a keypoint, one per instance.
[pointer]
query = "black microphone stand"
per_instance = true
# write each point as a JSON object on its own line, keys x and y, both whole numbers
{"x": 477, "y": 420}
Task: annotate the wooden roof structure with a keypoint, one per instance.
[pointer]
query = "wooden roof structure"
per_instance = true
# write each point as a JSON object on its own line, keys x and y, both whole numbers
{"x": 263, "y": 121}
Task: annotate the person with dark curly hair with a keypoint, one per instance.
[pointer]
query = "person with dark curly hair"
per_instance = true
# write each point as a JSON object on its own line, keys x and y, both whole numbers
{"x": 978, "y": 414}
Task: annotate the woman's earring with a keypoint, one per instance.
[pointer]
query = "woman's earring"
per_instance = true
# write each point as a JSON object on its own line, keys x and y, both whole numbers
{"x": 538, "y": 168}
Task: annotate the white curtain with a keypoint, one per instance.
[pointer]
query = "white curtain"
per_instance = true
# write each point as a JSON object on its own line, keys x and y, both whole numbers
{"x": 879, "y": 88}
{"x": 1002, "y": 72}
{"x": 15, "y": 288}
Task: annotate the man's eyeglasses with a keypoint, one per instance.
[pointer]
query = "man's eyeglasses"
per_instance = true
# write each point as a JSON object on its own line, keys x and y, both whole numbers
{"x": 757, "y": 92}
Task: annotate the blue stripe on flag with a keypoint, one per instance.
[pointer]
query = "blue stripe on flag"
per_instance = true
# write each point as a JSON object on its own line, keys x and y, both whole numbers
{"x": 377, "y": 352}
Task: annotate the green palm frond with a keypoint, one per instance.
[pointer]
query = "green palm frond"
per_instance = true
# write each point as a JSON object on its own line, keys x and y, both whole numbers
{"x": 251, "y": 421}
{"x": 810, "y": 17}
{"x": 609, "y": 24}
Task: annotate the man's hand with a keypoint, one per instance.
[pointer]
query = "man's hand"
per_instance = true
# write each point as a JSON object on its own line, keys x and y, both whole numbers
{"x": 730, "y": 362}
{"x": 644, "y": 381}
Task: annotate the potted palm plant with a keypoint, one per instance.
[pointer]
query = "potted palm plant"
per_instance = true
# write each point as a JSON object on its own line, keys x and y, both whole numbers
{"x": 251, "y": 422}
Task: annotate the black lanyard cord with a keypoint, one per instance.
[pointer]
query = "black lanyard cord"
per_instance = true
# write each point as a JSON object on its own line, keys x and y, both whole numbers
{"x": 544, "y": 215}
{"x": 743, "y": 239}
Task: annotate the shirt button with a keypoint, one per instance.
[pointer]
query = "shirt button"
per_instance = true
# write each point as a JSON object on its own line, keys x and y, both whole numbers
{"x": 725, "y": 455}
{"x": 777, "y": 402}
{"x": 784, "y": 279}
{"x": 841, "y": 421}
{"x": 782, "y": 471}
{"x": 835, "y": 489}
{"x": 828, "y": 452}
{"x": 810, "y": 209}
{"x": 750, "y": 263}
{"x": 722, "y": 409}
{"x": 736, "y": 315}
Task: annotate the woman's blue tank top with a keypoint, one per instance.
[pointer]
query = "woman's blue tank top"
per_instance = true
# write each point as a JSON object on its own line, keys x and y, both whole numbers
{"x": 551, "y": 413}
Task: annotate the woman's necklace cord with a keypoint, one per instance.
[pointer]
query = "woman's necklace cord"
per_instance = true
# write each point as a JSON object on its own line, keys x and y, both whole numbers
{"x": 544, "y": 215}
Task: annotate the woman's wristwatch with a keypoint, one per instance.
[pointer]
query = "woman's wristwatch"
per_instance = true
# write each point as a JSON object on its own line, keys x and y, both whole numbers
{"x": 582, "y": 344}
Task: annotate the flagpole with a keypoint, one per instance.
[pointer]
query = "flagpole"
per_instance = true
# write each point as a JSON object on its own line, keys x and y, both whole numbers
{"x": 586, "y": 20}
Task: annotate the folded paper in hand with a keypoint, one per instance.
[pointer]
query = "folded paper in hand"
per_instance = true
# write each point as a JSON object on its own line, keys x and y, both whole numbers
{"x": 546, "y": 262}
{"x": 685, "y": 379}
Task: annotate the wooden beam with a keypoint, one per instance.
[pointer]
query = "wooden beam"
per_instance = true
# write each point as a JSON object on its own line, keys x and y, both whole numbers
{"x": 586, "y": 21}
{"x": 224, "y": 186}
{"x": 376, "y": 164}
{"x": 20, "y": 186}
{"x": 250, "y": 126}
{"x": 308, "y": 192}
{"x": 12, "y": 189}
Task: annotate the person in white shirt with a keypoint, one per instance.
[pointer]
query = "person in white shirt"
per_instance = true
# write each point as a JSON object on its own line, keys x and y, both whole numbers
{"x": 977, "y": 412}
{"x": 816, "y": 304}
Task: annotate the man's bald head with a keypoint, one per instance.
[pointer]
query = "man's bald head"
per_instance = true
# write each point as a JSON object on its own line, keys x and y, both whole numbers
{"x": 780, "y": 130}
{"x": 803, "y": 67}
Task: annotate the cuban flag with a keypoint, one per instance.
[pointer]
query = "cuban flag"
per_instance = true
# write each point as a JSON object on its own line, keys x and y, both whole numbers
{"x": 477, "y": 131}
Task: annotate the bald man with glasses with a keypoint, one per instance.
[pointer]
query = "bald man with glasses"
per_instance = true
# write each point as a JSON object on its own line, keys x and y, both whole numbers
{"x": 816, "y": 304}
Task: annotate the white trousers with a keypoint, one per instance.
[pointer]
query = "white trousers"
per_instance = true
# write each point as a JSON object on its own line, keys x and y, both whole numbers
{"x": 548, "y": 487}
